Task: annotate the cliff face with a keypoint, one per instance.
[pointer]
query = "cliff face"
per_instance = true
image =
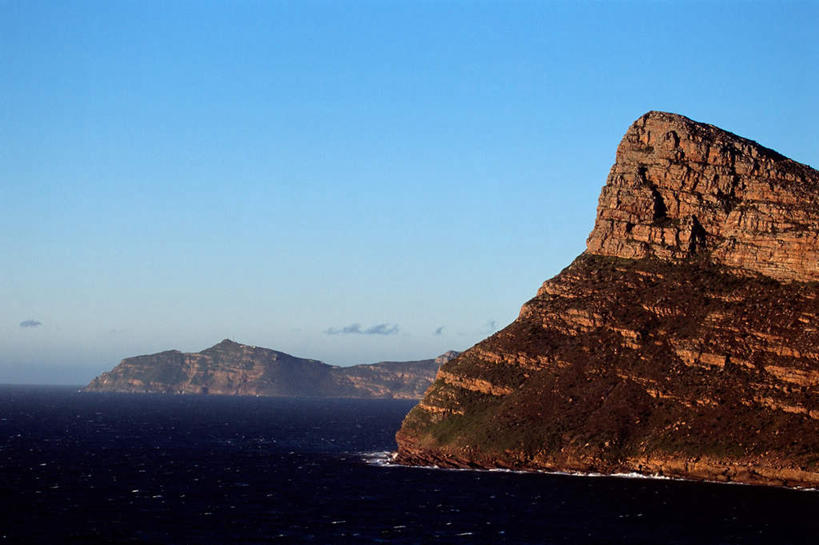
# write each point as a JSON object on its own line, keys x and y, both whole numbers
{"x": 392, "y": 379}
{"x": 680, "y": 188}
{"x": 231, "y": 368}
{"x": 684, "y": 341}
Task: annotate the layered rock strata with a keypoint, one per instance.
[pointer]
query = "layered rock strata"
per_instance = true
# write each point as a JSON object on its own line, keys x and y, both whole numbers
{"x": 680, "y": 188}
{"x": 231, "y": 368}
{"x": 684, "y": 341}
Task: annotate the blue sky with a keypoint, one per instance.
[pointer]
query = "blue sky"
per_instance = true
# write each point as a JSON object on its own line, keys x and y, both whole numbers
{"x": 351, "y": 182}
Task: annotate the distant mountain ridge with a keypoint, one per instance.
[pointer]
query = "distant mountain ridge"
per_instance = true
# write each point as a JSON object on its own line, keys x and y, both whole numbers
{"x": 231, "y": 368}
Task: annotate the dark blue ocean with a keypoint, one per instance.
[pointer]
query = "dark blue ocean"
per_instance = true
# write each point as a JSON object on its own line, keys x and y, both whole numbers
{"x": 118, "y": 468}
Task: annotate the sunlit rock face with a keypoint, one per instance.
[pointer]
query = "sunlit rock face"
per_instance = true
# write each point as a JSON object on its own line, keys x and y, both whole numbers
{"x": 683, "y": 341}
{"x": 231, "y": 368}
{"x": 681, "y": 188}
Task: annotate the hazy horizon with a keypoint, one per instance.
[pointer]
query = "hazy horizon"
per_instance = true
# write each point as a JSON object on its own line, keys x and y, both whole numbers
{"x": 349, "y": 183}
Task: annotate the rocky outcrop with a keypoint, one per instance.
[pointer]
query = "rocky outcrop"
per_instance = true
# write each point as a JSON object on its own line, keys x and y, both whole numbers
{"x": 680, "y": 188}
{"x": 231, "y": 368}
{"x": 684, "y": 341}
{"x": 391, "y": 379}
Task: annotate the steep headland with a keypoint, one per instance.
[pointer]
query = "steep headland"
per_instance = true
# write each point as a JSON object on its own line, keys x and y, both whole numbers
{"x": 231, "y": 368}
{"x": 684, "y": 341}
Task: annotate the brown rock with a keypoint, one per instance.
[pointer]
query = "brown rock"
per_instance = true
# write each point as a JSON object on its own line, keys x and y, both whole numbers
{"x": 681, "y": 188}
{"x": 685, "y": 341}
{"x": 231, "y": 368}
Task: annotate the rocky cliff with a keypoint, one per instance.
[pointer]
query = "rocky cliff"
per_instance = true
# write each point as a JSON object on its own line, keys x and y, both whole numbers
{"x": 684, "y": 341}
{"x": 231, "y": 368}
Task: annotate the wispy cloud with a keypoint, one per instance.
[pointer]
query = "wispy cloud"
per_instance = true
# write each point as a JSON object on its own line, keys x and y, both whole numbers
{"x": 439, "y": 330}
{"x": 491, "y": 326}
{"x": 356, "y": 329}
{"x": 346, "y": 330}
{"x": 30, "y": 323}
{"x": 382, "y": 329}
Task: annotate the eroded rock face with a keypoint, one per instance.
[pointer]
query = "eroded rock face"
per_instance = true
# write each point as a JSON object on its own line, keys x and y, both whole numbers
{"x": 681, "y": 188}
{"x": 231, "y": 368}
{"x": 685, "y": 341}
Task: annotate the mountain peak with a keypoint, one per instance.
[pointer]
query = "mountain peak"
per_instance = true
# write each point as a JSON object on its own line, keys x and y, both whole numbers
{"x": 681, "y": 189}
{"x": 682, "y": 342}
{"x": 226, "y": 344}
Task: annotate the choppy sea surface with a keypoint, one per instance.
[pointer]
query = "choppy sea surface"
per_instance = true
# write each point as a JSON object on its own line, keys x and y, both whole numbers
{"x": 117, "y": 468}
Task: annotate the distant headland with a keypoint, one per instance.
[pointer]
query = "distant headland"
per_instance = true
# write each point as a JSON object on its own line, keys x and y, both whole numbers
{"x": 231, "y": 368}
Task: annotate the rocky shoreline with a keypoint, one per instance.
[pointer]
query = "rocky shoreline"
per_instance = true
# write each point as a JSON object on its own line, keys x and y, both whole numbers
{"x": 714, "y": 471}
